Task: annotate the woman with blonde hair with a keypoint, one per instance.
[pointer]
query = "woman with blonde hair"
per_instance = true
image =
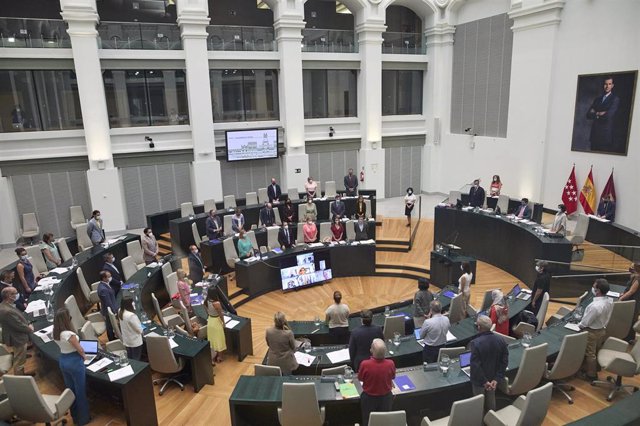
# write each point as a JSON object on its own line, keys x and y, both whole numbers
{"x": 184, "y": 288}
{"x": 282, "y": 345}
{"x": 215, "y": 325}
{"x": 499, "y": 312}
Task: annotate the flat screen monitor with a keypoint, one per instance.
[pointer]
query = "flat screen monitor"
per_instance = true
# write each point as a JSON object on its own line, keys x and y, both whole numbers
{"x": 305, "y": 270}
{"x": 255, "y": 144}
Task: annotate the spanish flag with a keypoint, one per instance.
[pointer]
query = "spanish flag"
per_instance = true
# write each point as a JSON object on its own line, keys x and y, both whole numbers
{"x": 588, "y": 194}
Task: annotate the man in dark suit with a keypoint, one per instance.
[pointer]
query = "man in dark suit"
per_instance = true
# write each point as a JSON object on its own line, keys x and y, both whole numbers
{"x": 350, "y": 184}
{"x": 273, "y": 191}
{"x": 285, "y": 237}
{"x": 603, "y": 111}
{"x": 267, "y": 216}
{"x": 361, "y": 228}
{"x": 338, "y": 208}
{"x": 15, "y": 329}
{"x": 476, "y": 194}
{"x": 6, "y": 280}
{"x": 523, "y": 211}
{"x": 116, "y": 278}
{"x": 213, "y": 226}
{"x": 607, "y": 208}
{"x": 196, "y": 265}
{"x": 361, "y": 338}
{"x": 107, "y": 300}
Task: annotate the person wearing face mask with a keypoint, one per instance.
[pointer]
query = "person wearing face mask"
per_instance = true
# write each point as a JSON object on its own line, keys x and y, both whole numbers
{"x": 540, "y": 286}
{"x": 476, "y": 194}
{"x": 273, "y": 191}
{"x": 523, "y": 211}
{"x": 361, "y": 207}
{"x": 107, "y": 300}
{"x": 310, "y": 232}
{"x": 245, "y": 248}
{"x": 560, "y": 221}
{"x": 338, "y": 208}
{"x": 289, "y": 212}
{"x": 337, "y": 230}
{"x": 285, "y": 237}
{"x": 196, "y": 265}
{"x": 95, "y": 229}
{"x": 310, "y": 210}
{"x": 311, "y": 187}
{"x": 632, "y": 292}
{"x": 361, "y": 229}
{"x": 267, "y": 215}
{"x": 6, "y": 280}
{"x": 350, "y": 184}
{"x": 116, "y": 277}
{"x": 594, "y": 321}
{"x": 50, "y": 251}
{"x": 213, "y": 226}
{"x": 15, "y": 330}
{"x": 496, "y": 186}
{"x": 464, "y": 283}
{"x": 409, "y": 202}
{"x": 237, "y": 221}
{"x": 24, "y": 268}
{"x": 149, "y": 246}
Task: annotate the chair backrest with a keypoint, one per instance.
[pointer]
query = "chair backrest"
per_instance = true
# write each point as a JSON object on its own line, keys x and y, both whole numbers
{"x": 63, "y": 249}
{"x": 487, "y": 301}
{"x": 580, "y": 231}
{"x": 621, "y": 319}
{"x": 272, "y": 237}
{"x": 367, "y": 203}
{"x": 84, "y": 243}
{"x": 252, "y": 238}
{"x": 333, "y": 371}
{"x": 87, "y": 332}
{"x": 300, "y": 405}
{"x": 166, "y": 270}
{"x": 86, "y": 290}
{"x": 77, "y": 216}
{"x": 507, "y": 339}
{"x": 266, "y": 370}
{"x": 263, "y": 195}
{"x": 77, "y": 319}
{"x": 393, "y": 325}
{"x": 210, "y": 204}
{"x": 301, "y": 212}
{"x": 351, "y": 231}
{"x": 186, "y": 209}
{"x": 172, "y": 283}
{"x": 325, "y": 230}
{"x": 114, "y": 323}
{"x": 570, "y": 356}
{"x": 182, "y": 310}
{"x": 635, "y": 353}
{"x": 227, "y": 223}
{"x": 251, "y": 198}
{"x": 26, "y": 400}
{"x": 229, "y": 201}
{"x": 230, "y": 252}
{"x": 452, "y": 352}
{"x": 30, "y": 223}
{"x": 542, "y": 312}
{"x": 129, "y": 267}
{"x": 535, "y": 406}
{"x": 37, "y": 257}
{"x": 156, "y": 307}
{"x": 456, "y": 311}
{"x": 532, "y": 367}
{"x": 454, "y": 196}
{"x": 503, "y": 203}
{"x": 134, "y": 250}
{"x": 300, "y": 233}
{"x": 196, "y": 235}
{"x": 293, "y": 194}
{"x": 161, "y": 357}
{"x": 276, "y": 214}
{"x": 468, "y": 412}
{"x": 330, "y": 189}
{"x": 389, "y": 418}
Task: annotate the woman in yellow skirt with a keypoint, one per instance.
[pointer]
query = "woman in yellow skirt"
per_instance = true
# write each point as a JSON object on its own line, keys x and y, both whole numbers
{"x": 215, "y": 325}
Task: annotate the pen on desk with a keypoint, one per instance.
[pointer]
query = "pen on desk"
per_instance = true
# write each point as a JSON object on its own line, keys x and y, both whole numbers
{"x": 317, "y": 329}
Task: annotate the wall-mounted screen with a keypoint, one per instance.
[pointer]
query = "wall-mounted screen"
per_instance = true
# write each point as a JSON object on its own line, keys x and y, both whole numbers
{"x": 257, "y": 144}
{"x": 308, "y": 269}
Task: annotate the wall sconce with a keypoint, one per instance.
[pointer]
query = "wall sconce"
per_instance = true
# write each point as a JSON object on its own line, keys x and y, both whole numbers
{"x": 331, "y": 132}
{"x": 151, "y": 144}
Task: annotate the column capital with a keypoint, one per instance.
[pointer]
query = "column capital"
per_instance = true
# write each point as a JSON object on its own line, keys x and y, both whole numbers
{"x": 193, "y": 25}
{"x": 82, "y": 17}
{"x": 370, "y": 32}
{"x": 289, "y": 27}
{"x": 528, "y": 15}
{"x": 440, "y": 34}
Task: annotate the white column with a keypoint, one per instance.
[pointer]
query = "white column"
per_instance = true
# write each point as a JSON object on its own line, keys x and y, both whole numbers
{"x": 105, "y": 188}
{"x": 206, "y": 179}
{"x": 10, "y": 223}
{"x": 372, "y": 156}
{"x": 294, "y": 167}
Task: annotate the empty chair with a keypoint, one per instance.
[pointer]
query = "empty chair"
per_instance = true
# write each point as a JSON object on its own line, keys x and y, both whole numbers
{"x": 389, "y": 418}
{"x": 186, "y": 209}
{"x": 325, "y": 231}
{"x": 6, "y": 361}
{"x": 84, "y": 243}
{"x": 210, "y": 204}
{"x": 30, "y": 405}
{"x": 568, "y": 362}
{"x": 197, "y": 238}
{"x": 168, "y": 317}
{"x": 456, "y": 311}
{"x": 30, "y": 226}
{"x": 487, "y": 301}
{"x": 451, "y": 352}
{"x": 229, "y": 201}
{"x": 266, "y": 370}
{"x": 276, "y": 213}
{"x": 188, "y": 321}
{"x": 532, "y": 367}
{"x": 467, "y": 412}
{"x": 129, "y": 267}
{"x": 330, "y": 189}
{"x": 393, "y": 325}
{"x": 300, "y": 234}
{"x": 171, "y": 284}
{"x": 542, "y": 312}
{"x": 621, "y": 319}
{"x": 454, "y": 196}
{"x": 114, "y": 323}
{"x": 251, "y": 198}
{"x": 162, "y": 360}
{"x": 134, "y": 250}
{"x": 300, "y": 405}
{"x": 166, "y": 270}
{"x": 272, "y": 237}
{"x": 252, "y": 237}
{"x": 580, "y": 231}
{"x": 614, "y": 358}
{"x": 503, "y": 204}
{"x": 367, "y": 203}
{"x": 37, "y": 258}
{"x": 293, "y": 194}
{"x": 227, "y": 224}
{"x": 78, "y": 320}
{"x": 529, "y": 411}
{"x": 89, "y": 294}
{"x": 507, "y": 339}
{"x": 333, "y": 371}
{"x": 230, "y": 253}
{"x": 351, "y": 231}
{"x": 63, "y": 249}
{"x": 564, "y": 311}
{"x": 301, "y": 212}
{"x": 77, "y": 216}
{"x": 263, "y": 195}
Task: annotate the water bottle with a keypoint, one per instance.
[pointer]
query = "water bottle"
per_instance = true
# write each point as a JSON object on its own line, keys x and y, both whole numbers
{"x": 526, "y": 340}
{"x": 50, "y": 313}
{"x": 74, "y": 262}
{"x": 387, "y": 311}
{"x": 396, "y": 339}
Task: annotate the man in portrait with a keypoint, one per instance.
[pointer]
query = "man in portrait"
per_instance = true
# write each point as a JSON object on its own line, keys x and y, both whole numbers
{"x": 602, "y": 114}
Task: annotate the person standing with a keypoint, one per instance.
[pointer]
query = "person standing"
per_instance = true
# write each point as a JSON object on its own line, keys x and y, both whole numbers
{"x": 289, "y": 212}
{"x": 337, "y": 318}
{"x": 559, "y": 225}
{"x": 540, "y": 286}
{"x": 464, "y": 284}
{"x": 71, "y": 364}
{"x": 213, "y": 226}
{"x": 50, "y": 251}
{"x": 489, "y": 361}
{"x": 116, "y": 277}
{"x": 24, "y": 268}
{"x": 361, "y": 229}
{"x": 215, "y": 325}
{"x": 496, "y": 186}
{"x": 196, "y": 265}
{"x": 632, "y": 292}
{"x": 499, "y": 312}
{"x": 476, "y": 194}
{"x": 267, "y": 216}
{"x": 409, "y": 203}
{"x": 149, "y": 246}
{"x": 131, "y": 329}
{"x": 376, "y": 375}
{"x": 311, "y": 187}
{"x": 7, "y": 278}
{"x": 274, "y": 192}
{"x": 245, "y": 248}
{"x": 95, "y": 229}
{"x": 361, "y": 207}
{"x": 421, "y": 301}
{"x": 434, "y": 332}
{"x": 310, "y": 211}
{"x": 285, "y": 237}
{"x": 594, "y": 321}
{"x": 282, "y": 345}
{"x": 184, "y": 288}
{"x": 15, "y": 330}
{"x": 107, "y": 300}
{"x": 310, "y": 232}
{"x": 337, "y": 230}
{"x": 237, "y": 221}
{"x": 338, "y": 208}
{"x": 362, "y": 337}
{"x": 350, "y": 184}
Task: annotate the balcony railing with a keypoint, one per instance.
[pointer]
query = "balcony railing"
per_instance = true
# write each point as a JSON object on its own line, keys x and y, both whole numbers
{"x": 37, "y": 33}
{"x": 236, "y": 38}
{"x": 335, "y": 41}
{"x": 138, "y": 35}
{"x": 403, "y": 43}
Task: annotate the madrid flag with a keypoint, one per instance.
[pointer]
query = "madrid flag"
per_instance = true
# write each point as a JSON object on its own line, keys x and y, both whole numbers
{"x": 609, "y": 189}
{"x": 570, "y": 193}
{"x": 588, "y": 194}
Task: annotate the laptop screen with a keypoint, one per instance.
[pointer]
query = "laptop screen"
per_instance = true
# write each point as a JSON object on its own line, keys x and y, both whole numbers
{"x": 515, "y": 290}
{"x": 465, "y": 359}
{"x": 416, "y": 332}
{"x": 90, "y": 346}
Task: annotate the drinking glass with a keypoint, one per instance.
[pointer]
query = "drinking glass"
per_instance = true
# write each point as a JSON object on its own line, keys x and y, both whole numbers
{"x": 124, "y": 360}
{"x": 387, "y": 311}
{"x": 526, "y": 340}
{"x": 396, "y": 339}
{"x": 316, "y": 320}
{"x": 171, "y": 333}
{"x": 445, "y": 362}
{"x": 307, "y": 347}
{"x": 348, "y": 375}
{"x": 577, "y": 313}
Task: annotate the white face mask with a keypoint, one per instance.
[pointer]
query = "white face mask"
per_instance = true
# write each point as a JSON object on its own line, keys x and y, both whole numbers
{"x": 538, "y": 269}
{"x": 23, "y": 257}
{"x": 461, "y": 268}
{"x": 98, "y": 217}
{"x": 109, "y": 280}
{"x": 195, "y": 252}
{"x": 16, "y": 297}
{"x": 593, "y": 291}
{"x": 409, "y": 192}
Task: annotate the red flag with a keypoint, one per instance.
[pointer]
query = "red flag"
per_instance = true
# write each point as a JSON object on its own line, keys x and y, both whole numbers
{"x": 609, "y": 188}
{"x": 570, "y": 193}
{"x": 588, "y": 194}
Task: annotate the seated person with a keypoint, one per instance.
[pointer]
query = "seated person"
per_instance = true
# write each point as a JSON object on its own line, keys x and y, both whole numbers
{"x": 237, "y": 221}
{"x": 285, "y": 237}
{"x": 560, "y": 221}
{"x": 361, "y": 207}
{"x": 476, "y": 194}
{"x": 310, "y": 211}
{"x": 337, "y": 207}
{"x": 245, "y": 248}
{"x": 337, "y": 230}
{"x": 607, "y": 208}
{"x": 267, "y": 216}
{"x": 523, "y": 211}
{"x": 310, "y": 231}
{"x": 289, "y": 211}
{"x": 361, "y": 228}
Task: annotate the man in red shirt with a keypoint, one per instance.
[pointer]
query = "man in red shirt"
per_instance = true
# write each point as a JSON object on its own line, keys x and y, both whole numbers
{"x": 376, "y": 375}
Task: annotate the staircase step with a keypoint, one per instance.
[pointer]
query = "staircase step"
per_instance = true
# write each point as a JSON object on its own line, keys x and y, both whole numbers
{"x": 392, "y": 247}
{"x": 403, "y": 271}
{"x": 239, "y": 300}
{"x": 394, "y": 241}
{"x": 164, "y": 243}
{"x": 407, "y": 266}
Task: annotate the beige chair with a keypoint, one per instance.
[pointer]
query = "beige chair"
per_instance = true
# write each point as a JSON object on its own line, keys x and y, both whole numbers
{"x": 301, "y": 212}
{"x": 266, "y": 370}
{"x": 276, "y": 213}
{"x": 230, "y": 253}
{"x": 334, "y": 371}
{"x": 77, "y": 216}
{"x": 293, "y": 194}
{"x": 454, "y": 196}
{"x": 36, "y": 258}
{"x": 166, "y": 270}
{"x": 507, "y": 339}
{"x": 456, "y": 311}
{"x": 168, "y": 316}
{"x": 184, "y": 313}
{"x": 300, "y": 405}
{"x": 580, "y": 231}
{"x": 6, "y": 360}
{"x": 390, "y": 418}
{"x": 227, "y": 224}
{"x": 568, "y": 362}
{"x": 272, "y": 237}
{"x": 325, "y": 231}
{"x": 252, "y": 237}
{"x": 87, "y": 332}
{"x": 30, "y": 405}
{"x": 162, "y": 360}
{"x": 90, "y": 295}
{"x": 621, "y": 319}
{"x": 614, "y": 357}
{"x": 6, "y": 412}
{"x": 529, "y": 411}
{"x": 467, "y": 412}
{"x": 114, "y": 323}
{"x": 393, "y": 325}
{"x": 367, "y": 203}
{"x": 197, "y": 238}
{"x": 351, "y": 231}
{"x": 134, "y": 250}
{"x": 129, "y": 267}
{"x": 186, "y": 209}
{"x": 210, "y": 204}
{"x": 84, "y": 243}
{"x": 171, "y": 284}
{"x": 299, "y": 233}
{"x": 263, "y": 195}
{"x": 452, "y": 352}
{"x": 532, "y": 367}
{"x": 330, "y": 189}
{"x": 78, "y": 320}
{"x": 230, "y": 202}
{"x": 523, "y": 327}
{"x": 503, "y": 204}
{"x": 487, "y": 301}
{"x": 564, "y": 311}
{"x": 30, "y": 227}
{"x": 63, "y": 249}
{"x": 251, "y": 198}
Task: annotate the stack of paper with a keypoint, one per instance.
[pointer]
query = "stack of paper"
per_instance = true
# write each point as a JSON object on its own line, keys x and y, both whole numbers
{"x": 573, "y": 327}
{"x": 368, "y": 242}
{"x": 99, "y": 365}
{"x": 232, "y": 323}
{"x": 36, "y": 306}
{"x": 304, "y": 359}
{"x": 59, "y": 270}
{"x": 341, "y": 355}
{"x": 613, "y": 294}
{"x": 450, "y": 336}
{"x": 348, "y": 390}
{"x": 121, "y": 373}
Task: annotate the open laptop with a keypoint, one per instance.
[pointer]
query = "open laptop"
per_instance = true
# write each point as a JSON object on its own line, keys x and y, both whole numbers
{"x": 90, "y": 350}
{"x": 416, "y": 333}
{"x": 465, "y": 363}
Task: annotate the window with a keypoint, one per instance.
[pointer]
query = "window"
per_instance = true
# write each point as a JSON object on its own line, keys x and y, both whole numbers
{"x": 146, "y": 97}
{"x": 401, "y": 92}
{"x": 39, "y": 100}
{"x": 330, "y": 93}
{"x": 244, "y": 95}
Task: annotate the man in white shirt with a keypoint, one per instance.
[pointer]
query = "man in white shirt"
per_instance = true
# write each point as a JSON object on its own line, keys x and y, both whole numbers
{"x": 434, "y": 332}
{"x": 594, "y": 321}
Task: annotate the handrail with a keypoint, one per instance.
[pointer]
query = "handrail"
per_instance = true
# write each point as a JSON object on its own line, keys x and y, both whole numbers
{"x": 589, "y": 275}
{"x": 414, "y": 231}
